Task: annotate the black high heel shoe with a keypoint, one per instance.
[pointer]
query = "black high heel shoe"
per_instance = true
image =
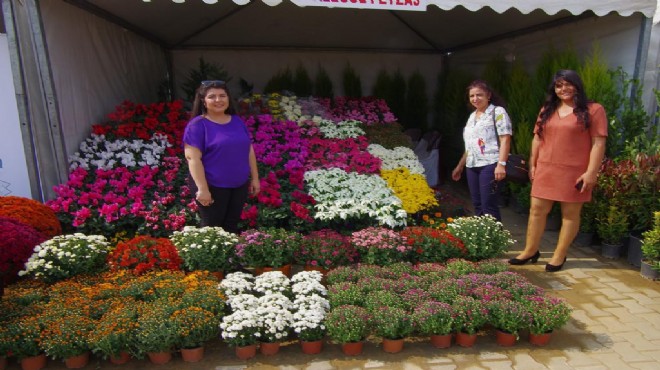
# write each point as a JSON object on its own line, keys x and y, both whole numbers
{"x": 553, "y": 268}
{"x": 534, "y": 258}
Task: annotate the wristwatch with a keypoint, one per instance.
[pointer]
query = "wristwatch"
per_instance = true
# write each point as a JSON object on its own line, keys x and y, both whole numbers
{"x": 503, "y": 163}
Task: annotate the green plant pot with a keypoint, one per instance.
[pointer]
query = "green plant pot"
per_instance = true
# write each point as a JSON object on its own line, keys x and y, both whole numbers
{"x": 583, "y": 239}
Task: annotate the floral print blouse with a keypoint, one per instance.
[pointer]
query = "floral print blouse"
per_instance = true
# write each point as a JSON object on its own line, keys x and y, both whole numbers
{"x": 480, "y": 136}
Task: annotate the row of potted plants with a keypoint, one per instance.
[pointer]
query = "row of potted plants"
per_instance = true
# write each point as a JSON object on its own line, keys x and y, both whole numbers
{"x": 111, "y": 314}
{"x": 393, "y": 303}
{"x": 213, "y": 249}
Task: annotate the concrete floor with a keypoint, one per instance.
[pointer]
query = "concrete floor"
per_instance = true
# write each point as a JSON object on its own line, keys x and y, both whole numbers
{"x": 615, "y": 325}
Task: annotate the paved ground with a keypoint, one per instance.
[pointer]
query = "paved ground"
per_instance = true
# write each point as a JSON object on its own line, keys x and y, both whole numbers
{"x": 615, "y": 325}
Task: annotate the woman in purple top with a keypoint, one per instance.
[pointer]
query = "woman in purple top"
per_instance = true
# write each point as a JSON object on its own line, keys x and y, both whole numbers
{"x": 222, "y": 163}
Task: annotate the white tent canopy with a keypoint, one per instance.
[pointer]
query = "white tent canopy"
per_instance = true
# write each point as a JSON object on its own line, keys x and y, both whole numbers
{"x": 74, "y": 60}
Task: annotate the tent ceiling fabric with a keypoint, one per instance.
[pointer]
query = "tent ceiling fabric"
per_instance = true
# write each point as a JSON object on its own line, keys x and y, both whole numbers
{"x": 226, "y": 25}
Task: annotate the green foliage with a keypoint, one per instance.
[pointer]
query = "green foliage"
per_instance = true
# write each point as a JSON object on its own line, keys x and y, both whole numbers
{"x": 205, "y": 71}
{"x": 302, "y": 83}
{"x": 651, "y": 241}
{"x": 389, "y": 136}
{"x": 588, "y": 217}
{"x": 450, "y": 112}
{"x": 552, "y": 61}
{"x": 484, "y": 237}
{"x": 322, "y": 84}
{"x": 497, "y": 75}
{"x": 397, "y": 95}
{"x": 630, "y": 119}
{"x": 281, "y": 81}
{"x": 598, "y": 83}
{"x": 612, "y": 224}
{"x": 417, "y": 105}
{"x": 391, "y": 322}
{"x": 383, "y": 85}
{"x": 522, "y": 107}
{"x": 348, "y": 324}
{"x": 351, "y": 82}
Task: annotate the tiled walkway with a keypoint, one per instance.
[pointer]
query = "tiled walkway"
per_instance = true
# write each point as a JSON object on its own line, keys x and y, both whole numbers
{"x": 615, "y": 325}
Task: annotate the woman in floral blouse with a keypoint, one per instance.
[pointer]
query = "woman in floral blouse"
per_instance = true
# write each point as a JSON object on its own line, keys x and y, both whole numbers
{"x": 484, "y": 158}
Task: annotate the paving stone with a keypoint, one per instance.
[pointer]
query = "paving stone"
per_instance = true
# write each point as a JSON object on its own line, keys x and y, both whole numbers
{"x": 593, "y": 311}
{"x": 524, "y": 362}
{"x": 639, "y": 342}
{"x": 443, "y": 367}
{"x": 240, "y": 367}
{"x": 611, "y": 360}
{"x": 497, "y": 365}
{"x": 603, "y": 301}
{"x": 373, "y": 364}
{"x": 645, "y": 365}
{"x": 643, "y": 299}
{"x": 579, "y": 359}
{"x": 634, "y": 306}
{"x": 320, "y": 365}
{"x": 623, "y": 314}
{"x": 614, "y": 325}
{"x": 489, "y": 356}
{"x": 612, "y": 294}
{"x": 411, "y": 366}
{"x": 629, "y": 353}
{"x": 578, "y": 274}
{"x": 654, "y": 354}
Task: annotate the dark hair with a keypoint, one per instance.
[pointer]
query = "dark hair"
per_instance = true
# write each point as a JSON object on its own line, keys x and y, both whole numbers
{"x": 198, "y": 104}
{"x": 495, "y": 99}
{"x": 552, "y": 101}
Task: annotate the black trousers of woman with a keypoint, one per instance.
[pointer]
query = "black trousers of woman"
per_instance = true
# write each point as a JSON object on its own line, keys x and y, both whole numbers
{"x": 226, "y": 209}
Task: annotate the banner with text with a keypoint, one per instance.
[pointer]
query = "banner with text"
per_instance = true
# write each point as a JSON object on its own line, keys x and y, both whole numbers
{"x": 414, "y": 5}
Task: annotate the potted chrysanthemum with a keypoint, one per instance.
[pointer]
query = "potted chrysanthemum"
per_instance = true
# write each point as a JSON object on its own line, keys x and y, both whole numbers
{"x": 65, "y": 256}
{"x": 274, "y": 320}
{"x": 435, "y": 319}
{"x": 380, "y": 246}
{"x": 349, "y": 326}
{"x": 309, "y": 312}
{"x": 393, "y": 324}
{"x": 546, "y": 315}
{"x": 267, "y": 249}
{"x": 207, "y": 248}
{"x": 240, "y": 329}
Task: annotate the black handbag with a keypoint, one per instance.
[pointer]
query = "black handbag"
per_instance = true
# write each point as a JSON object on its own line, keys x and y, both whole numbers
{"x": 516, "y": 165}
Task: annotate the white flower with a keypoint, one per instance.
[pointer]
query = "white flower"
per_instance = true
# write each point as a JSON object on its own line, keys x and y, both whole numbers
{"x": 342, "y": 195}
{"x": 397, "y": 158}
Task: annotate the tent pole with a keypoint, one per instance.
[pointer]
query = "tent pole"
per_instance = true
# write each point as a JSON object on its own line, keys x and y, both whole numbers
{"x": 642, "y": 55}
{"x": 35, "y": 93}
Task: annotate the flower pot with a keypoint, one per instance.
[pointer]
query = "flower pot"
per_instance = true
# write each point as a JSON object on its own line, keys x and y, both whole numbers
{"x": 648, "y": 272}
{"x": 583, "y": 239}
{"x": 34, "y": 362}
{"x": 311, "y": 348}
{"x": 612, "y": 251}
{"x": 634, "y": 251}
{"x": 505, "y": 339}
{"x": 441, "y": 341}
{"x": 286, "y": 270}
{"x": 246, "y": 352}
{"x": 540, "y": 339}
{"x": 269, "y": 349}
{"x": 3, "y": 360}
{"x": 192, "y": 354}
{"x": 465, "y": 339}
{"x": 352, "y": 348}
{"x": 392, "y": 345}
{"x": 77, "y": 362}
{"x": 218, "y": 275}
{"x": 120, "y": 359}
{"x": 159, "y": 358}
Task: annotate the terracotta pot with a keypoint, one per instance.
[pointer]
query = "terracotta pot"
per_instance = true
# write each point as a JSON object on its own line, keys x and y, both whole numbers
{"x": 192, "y": 354}
{"x": 352, "y": 348}
{"x": 441, "y": 341}
{"x": 159, "y": 358}
{"x": 505, "y": 339}
{"x": 34, "y": 362}
{"x": 311, "y": 348}
{"x": 540, "y": 339}
{"x": 218, "y": 275}
{"x": 77, "y": 362}
{"x": 286, "y": 270}
{"x": 246, "y": 352}
{"x": 121, "y": 359}
{"x": 269, "y": 349}
{"x": 465, "y": 339}
{"x": 392, "y": 345}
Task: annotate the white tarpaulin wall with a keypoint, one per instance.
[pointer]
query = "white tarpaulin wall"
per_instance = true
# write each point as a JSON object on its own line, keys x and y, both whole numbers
{"x": 95, "y": 61}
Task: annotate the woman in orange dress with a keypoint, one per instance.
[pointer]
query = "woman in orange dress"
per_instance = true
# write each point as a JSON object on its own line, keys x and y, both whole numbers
{"x": 567, "y": 151}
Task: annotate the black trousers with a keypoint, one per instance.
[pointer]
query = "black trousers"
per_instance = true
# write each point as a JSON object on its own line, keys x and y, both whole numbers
{"x": 226, "y": 209}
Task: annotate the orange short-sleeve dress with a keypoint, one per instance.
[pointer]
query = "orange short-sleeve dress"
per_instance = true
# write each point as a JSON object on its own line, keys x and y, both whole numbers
{"x": 564, "y": 155}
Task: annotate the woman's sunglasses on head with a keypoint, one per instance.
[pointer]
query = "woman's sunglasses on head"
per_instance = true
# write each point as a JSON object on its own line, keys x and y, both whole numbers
{"x": 209, "y": 83}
